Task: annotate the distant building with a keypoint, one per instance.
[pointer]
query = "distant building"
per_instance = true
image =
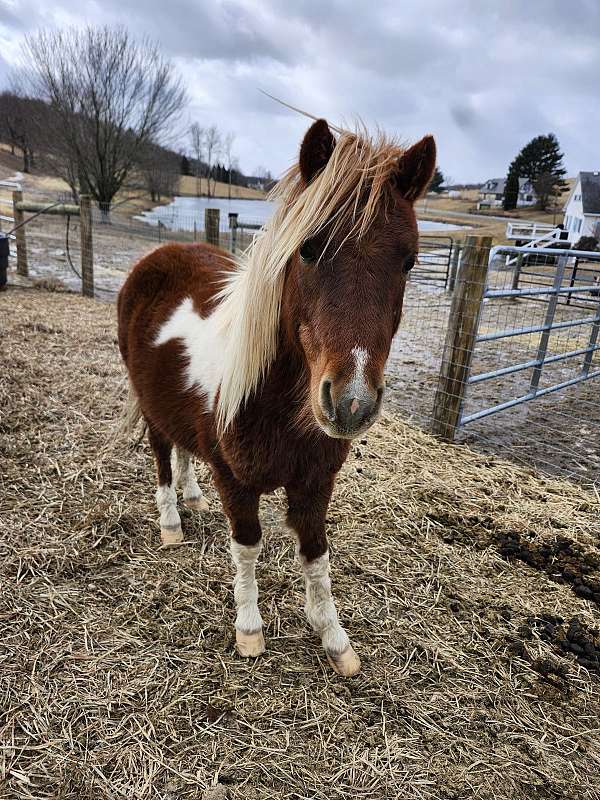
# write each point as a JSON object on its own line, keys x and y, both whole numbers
{"x": 582, "y": 209}
{"x": 492, "y": 193}
{"x": 262, "y": 183}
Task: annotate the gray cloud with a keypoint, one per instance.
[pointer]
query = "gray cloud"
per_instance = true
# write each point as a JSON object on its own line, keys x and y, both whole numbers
{"x": 483, "y": 77}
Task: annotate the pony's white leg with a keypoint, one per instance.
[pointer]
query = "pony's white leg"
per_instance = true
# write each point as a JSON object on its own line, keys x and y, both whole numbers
{"x": 185, "y": 478}
{"x": 248, "y": 622}
{"x": 170, "y": 522}
{"x": 166, "y": 496}
{"x": 322, "y": 616}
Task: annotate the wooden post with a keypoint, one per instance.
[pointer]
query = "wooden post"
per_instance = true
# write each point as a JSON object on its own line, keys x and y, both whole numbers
{"x": 460, "y": 336}
{"x": 19, "y": 217}
{"x": 233, "y": 222}
{"x": 211, "y": 225}
{"x": 87, "y": 251}
{"x": 454, "y": 267}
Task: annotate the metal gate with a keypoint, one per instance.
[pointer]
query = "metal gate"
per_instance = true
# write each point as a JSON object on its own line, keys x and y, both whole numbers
{"x": 517, "y": 334}
{"x": 557, "y": 277}
{"x": 433, "y": 263}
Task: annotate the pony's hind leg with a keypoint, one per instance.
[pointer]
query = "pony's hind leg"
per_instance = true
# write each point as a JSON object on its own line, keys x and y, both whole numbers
{"x": 185, "y": 478}
{"x": 307, "y": 509}
{"x": 166, "y": 496}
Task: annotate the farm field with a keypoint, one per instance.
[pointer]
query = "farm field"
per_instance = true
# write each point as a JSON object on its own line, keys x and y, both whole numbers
{"x": 470, "y": 589}
{"x": 432, "y": 207}
{"x": 49, "y": 184}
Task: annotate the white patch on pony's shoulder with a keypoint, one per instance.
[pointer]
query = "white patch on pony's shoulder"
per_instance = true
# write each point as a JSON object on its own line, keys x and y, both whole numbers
{"x": 203, "y": 344}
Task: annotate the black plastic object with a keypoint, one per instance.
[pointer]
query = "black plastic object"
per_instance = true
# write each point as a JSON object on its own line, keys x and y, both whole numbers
{"x": 4, "y": 251}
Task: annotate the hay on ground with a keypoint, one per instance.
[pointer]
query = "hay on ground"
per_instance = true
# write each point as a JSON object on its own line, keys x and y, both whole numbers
{"x": 470, "y": 589}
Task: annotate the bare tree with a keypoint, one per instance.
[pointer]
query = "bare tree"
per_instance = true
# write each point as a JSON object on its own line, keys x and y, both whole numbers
{"x": 545, "y": 186}
{"x": 197, "y": 136}
{"x": 264, "y": 176}
{"x": 159, "y": 169}
{"x": 228, "y": 151}
{"x": 214, "y": 144}
{"x": 20, "y": 119}
{"x": 109, "y": 95}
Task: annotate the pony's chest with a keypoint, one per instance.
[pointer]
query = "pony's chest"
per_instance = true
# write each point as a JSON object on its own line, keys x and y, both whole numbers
{"x": 269, "y": 457}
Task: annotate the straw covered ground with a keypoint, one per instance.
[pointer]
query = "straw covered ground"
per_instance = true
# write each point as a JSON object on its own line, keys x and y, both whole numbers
{"x": 470, "y": 588}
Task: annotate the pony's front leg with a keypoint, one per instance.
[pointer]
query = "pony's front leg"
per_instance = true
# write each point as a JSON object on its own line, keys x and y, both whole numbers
{"x": 307, "y": 509}
{"x": 241, "y": 506}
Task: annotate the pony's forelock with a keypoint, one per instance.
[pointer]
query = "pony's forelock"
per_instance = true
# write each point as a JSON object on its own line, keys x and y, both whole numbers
{"x": 347, "y": 196}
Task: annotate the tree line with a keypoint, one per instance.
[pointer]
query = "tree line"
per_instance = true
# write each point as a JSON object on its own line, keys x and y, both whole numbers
{"x": 98, "y": 108}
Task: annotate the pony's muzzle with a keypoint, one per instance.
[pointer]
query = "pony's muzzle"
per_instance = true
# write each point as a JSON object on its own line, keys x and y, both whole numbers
{"x": 351, "y": 410}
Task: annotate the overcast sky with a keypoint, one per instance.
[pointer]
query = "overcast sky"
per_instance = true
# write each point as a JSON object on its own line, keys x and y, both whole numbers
{"x": 483, "y": 76}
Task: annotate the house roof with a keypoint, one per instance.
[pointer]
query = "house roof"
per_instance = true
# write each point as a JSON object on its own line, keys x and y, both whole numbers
{"x": 497, "y": 185}
{"x": 590, "y": 192}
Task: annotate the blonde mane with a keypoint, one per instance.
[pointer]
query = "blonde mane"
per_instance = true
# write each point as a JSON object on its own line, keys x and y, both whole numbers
{"x": 347, "y": 195}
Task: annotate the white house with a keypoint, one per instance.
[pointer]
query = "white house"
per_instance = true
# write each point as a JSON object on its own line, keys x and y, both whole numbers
{"x": 582, "y": 209}
{"x": 492, "y": 193}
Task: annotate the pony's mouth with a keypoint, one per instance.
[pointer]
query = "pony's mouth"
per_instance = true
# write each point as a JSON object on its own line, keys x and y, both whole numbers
{"x": 335, "y": 431}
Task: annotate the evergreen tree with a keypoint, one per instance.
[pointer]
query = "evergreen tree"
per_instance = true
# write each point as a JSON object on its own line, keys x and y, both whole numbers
{"x": 185, "y": 165}
{"x": 511, "y": 189}
{"x": 437, "y": 181}
{"x": 541, "y": 161}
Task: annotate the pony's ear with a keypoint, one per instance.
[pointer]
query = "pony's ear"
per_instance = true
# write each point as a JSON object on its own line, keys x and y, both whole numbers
{"x": 415, "y": 169}
{"x": 315, "y": 152}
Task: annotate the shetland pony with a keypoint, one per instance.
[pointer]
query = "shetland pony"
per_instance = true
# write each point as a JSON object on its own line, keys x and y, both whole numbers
{"x": 267, "y": 366}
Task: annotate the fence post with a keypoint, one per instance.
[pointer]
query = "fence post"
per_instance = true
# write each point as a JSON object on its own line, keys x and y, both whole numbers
{"x": 87, "y": 252}
{"x": 19, "y": 217}
{"x": 454, "y": 266}
{"x": 517, "y": 272}
{"x": 233, "y": 222}
{"x": 460, "y": 336}
{"x": 211, "y": 225}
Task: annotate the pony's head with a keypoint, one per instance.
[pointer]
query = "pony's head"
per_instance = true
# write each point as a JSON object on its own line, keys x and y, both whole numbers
{"x": 345, "y": 282}
{"x": 329, "y": 271}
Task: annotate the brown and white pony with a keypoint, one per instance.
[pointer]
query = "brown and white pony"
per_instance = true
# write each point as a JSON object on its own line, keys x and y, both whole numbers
{"x": 266, "y": 367}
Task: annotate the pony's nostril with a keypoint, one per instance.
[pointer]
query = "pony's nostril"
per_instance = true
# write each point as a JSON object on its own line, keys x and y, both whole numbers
{"x": 327, "y": 400}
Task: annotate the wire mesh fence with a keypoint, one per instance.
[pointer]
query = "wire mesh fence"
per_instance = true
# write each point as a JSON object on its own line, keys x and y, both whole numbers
{"x": 525, "y": 385}
{"x": 515, "y": 387}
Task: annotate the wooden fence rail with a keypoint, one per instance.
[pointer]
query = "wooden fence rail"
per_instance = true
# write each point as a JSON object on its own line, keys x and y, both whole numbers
{"x": 83, "y": 211}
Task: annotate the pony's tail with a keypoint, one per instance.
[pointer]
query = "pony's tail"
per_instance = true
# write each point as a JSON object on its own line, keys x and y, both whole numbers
{"x": 132, "y": 413}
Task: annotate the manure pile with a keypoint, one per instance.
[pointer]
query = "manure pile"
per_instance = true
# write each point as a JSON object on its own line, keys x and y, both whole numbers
{"x": 470, "y": 589}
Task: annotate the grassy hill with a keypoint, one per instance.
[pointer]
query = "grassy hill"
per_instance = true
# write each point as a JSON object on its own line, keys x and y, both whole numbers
{"x": 190, "y": 187}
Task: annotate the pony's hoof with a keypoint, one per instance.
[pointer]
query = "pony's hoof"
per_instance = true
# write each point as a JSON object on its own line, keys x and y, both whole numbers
{"x": 346, "y": 663}
{"x": 250, "y": 645}
{"x": 196, "y": 503}
{"x": 171, "y": 535}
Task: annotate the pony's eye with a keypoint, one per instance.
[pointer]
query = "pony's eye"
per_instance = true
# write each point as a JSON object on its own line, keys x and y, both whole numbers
{"x": 308, "y": 253}
{"x": 408, "y": 264}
